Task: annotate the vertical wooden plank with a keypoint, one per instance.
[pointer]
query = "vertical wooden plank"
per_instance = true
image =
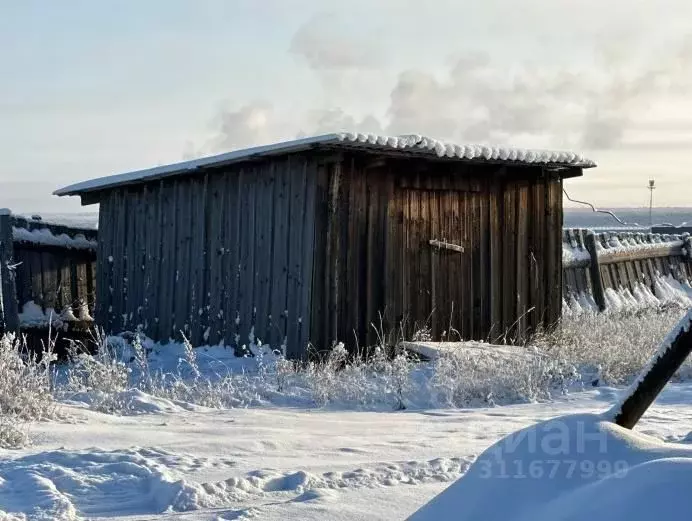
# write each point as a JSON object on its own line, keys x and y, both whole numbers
{"x": 320, "y": 269}
{"x": 166, "y": 303}
{"x": 523, "y": 263}
{"x": 408, "y": 205}
{"x": 359, "y": 268}
{"x": 348, "y": 305}
{"x": 424, "y": 230}
{"x": 554, "y": 252}
{"x": 484, "y": 274}
{"x": 308, "y": 259}
{"x": 22, "y": 278}
{"x": 33, "y": 260}
{"x": 595, "y": 270}
{"x": 297, "y": 209}
{"x": 9, "y": 314}
{"x": 214, "y": 246}
{"x": 476, "y": 260}
{"x": 264, "y": 252}
{"x": 117, "y": 283}
{"x": 234, "y": 219}
{"x": 148, "y": 266}
{"x": 415, "y": 204}
{"x": 74, "y": 282}
{"x": 91, "y": 284}
{"x": 496, "y": 256}
{"x": 152, "y": 266}
{"x": 197, "y": 311}
{"x": 67, "y": 298}
{"x": 437, "y": 307}
{"x": 619, "y": 275}
{"x": 333, "y": 256}
{"x": 49, "y": 280}
{"x": 138, "y": 224}
{"x": 342, "y": 329}
{"x": 183, "y": 198}
{"x": 447, "y": 260}
{"x": 538, "y": 231}
{"x": 371, "y": 297}
{"x": 133, "y": 275}
{"x": 81, "y": 267}
{"x": 441, "y": 184}
{"x": 105, "y": 268}
{"x": 509, "y": 281}
{"x": 246, "y": 306}
{"x": 629, "y": 274}
{"x": 282, "y": 224}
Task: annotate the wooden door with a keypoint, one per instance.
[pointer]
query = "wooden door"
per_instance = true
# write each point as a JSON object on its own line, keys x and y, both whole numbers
{"x": 436, "y": 256}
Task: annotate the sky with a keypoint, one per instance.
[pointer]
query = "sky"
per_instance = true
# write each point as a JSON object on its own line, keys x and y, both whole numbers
{"x": 96, "y": 88}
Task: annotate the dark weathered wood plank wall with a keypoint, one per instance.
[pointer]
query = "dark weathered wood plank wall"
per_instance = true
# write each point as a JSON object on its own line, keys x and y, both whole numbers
{"x": 333, "y": 247}
{"x": 224, "y": 256}
{"x": 376, "y": 220}
{"x": 54, "y": 277}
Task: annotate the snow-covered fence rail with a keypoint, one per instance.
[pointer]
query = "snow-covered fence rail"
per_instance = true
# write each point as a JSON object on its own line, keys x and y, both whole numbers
{"x": 607, "y": 269}
{"x": 678, "y": 230}
{"x": 47, "y": 273}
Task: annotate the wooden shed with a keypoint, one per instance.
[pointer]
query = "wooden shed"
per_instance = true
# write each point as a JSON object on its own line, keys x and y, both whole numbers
{"x": 333, "y": 238}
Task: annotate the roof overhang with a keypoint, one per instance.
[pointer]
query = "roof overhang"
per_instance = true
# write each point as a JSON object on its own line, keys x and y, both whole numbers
{"x": 568, "y": 164}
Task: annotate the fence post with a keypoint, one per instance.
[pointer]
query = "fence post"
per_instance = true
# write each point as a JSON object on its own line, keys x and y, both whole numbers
{"x": 688, "y": 248}
{"x": 595, "y": 270}
{"x": 670, "y": 356}
{"x": 9, "y": 318}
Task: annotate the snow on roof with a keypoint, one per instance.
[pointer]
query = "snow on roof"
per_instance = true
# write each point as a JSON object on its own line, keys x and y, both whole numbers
{"x": 87, "y": 221}
{"x": 411, "y": 144}
{"x": 45, "y": 237}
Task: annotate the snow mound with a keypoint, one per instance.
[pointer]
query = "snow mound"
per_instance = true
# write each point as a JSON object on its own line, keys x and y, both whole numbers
{"x": 66, "y": 485}
{"x": 132, "y": 402}
{"x": 302, "y": 486}
{"x": 570, "y": 468}
{"x": 71, "y": 485}
{"x": 212, "y": 360}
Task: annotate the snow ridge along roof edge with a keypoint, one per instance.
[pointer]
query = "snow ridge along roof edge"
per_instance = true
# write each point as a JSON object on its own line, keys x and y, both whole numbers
{"x": 412, "y": 143}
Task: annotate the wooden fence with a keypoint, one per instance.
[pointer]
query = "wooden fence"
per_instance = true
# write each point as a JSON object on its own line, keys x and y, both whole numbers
{"x": 47, "y": 274}
{"x": 593, "y": 263}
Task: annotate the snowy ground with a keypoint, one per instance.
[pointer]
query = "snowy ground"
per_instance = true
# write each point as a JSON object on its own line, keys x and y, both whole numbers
{"x": 193, "y": 463}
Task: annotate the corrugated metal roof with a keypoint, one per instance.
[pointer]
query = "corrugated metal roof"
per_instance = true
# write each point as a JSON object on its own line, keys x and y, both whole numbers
{"x": 410, "y": 144}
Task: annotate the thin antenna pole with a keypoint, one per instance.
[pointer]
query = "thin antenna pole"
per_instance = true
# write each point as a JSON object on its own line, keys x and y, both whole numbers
{"x": 652, "y": 187}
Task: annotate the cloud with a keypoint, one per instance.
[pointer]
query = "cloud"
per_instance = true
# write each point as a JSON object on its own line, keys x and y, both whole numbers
{"x": 334, "y": 120}
{"x": 251, "y": 124}
{"x": 594, "y": 103}
{"x": 245, "y": 126}
{"x": 326, "y": 45}
{"x": 591, "y": 107}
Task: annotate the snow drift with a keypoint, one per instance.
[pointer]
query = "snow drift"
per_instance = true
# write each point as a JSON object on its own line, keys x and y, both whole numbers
{"x": 570, "y": 468}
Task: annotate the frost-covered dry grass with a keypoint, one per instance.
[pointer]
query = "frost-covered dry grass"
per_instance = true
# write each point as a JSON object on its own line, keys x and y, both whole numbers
{"x": 132, "y": 375}
{"x": 387, "y": 380}
{"x": 611, "y": 348}
{"x": 26, "y": 392}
